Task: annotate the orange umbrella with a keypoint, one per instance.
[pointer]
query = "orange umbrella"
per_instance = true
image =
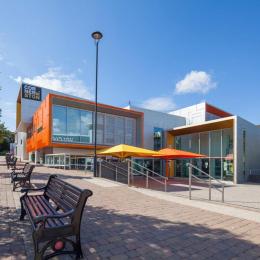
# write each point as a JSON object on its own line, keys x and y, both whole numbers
{"x": 170, "y": 153}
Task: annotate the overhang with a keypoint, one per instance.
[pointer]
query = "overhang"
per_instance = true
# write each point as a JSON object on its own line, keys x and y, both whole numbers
{"x": 227, "y": 122}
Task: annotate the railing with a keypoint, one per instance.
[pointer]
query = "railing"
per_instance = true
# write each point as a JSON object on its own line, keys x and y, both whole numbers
{"x": 209, "y": 182}
{"x": 254, "y": 172}
{"x": 131, "y": 170}
{"x": 109, "y": 165}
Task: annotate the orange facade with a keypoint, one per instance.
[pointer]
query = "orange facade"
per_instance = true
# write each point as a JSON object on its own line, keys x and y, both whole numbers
{"x": 40, "y": 132}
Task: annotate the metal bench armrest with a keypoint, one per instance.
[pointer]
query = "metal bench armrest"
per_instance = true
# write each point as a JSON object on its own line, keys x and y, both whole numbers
{"x": 17, "y": 169}
{"x": 43, "y": 219}
{"x": 26, "y": 190}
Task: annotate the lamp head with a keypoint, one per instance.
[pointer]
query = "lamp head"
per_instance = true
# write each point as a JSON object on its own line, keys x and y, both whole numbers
{"x": 97, "y": 35}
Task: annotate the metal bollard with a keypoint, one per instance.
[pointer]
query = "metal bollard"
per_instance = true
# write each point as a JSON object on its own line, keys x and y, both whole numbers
{"x": 147, "y": 180}
{"x": 209, "y": 188}
{"x": 190, "y": 181}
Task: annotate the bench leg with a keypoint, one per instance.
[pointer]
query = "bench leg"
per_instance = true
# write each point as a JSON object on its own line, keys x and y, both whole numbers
{"x": 78, "y": 247}
{"x": 23, "y": 212}
{"x": 14, "y": 186}
{"x": 37, "y": 255}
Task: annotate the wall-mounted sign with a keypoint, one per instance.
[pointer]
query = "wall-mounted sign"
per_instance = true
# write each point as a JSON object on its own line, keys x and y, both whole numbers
{"x": 31, "y": 92}
{"x": 71, "y": 139}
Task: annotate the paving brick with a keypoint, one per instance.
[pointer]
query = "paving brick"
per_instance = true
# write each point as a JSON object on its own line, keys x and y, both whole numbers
{"x": 120, "y": 223}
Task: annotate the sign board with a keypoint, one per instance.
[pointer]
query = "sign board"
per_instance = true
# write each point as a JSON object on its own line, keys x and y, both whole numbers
{"x": 31, "y": 92}
{"x": 71, "y": 139}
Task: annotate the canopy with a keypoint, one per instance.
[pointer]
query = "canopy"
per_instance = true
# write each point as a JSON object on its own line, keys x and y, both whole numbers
{"x": 124, "y": 151}
{"x": 169, "y": 153}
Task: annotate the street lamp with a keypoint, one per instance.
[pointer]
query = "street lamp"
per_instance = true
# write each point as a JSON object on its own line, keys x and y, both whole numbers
{"x": 97, "y": 36}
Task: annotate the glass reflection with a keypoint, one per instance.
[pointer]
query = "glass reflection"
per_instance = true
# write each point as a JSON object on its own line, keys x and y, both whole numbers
{"x": 217, "y": 145}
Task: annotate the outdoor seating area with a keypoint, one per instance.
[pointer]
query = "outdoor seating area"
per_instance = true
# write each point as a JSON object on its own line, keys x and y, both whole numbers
{"x": 20, "y": 177}
{"x": 55, "y": 217}
{"x": 55, "y": 214}
{"x": 141, "y": 226}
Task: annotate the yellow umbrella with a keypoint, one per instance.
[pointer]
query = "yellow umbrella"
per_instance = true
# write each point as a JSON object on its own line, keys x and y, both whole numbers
{"x": 124, "y": 151}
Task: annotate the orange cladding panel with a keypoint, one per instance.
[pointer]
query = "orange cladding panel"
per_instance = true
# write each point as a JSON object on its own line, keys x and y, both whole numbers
{"x": 41, "y": 127}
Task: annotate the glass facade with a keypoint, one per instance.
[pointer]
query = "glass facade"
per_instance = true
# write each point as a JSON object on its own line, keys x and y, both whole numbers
{"x": 217, "y": 145}
{"x": 72, "y": 125}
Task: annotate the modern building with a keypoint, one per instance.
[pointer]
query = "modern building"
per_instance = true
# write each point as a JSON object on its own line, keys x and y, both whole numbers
{"x": 53, "y": 127}
{"x": 229, "y": 142}
{"x": 60, "y": 124}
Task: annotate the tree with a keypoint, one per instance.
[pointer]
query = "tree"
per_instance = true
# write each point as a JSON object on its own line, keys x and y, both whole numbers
{"x": 6, "y": 137}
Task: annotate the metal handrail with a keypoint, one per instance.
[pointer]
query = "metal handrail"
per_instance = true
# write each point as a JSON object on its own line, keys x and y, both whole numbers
{"x": 155, "y": 173}
{"x": 210, "y": 182}
{"x": 116, "y": 171}
{"x": 195, "y": 167}
{"x": 121, "y": 168}
{"x": 144, "y": 174}
{"x": 130, "y": 171}
{"x": 254, "y": 171}
{"x": 150, "y": 177}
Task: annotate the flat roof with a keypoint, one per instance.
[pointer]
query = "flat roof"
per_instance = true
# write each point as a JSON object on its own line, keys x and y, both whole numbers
{"x": 87, "y": 104}
{"x": 215, "y": 124}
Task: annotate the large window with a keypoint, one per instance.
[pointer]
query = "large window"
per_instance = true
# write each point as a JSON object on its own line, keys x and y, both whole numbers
{"x": 216, "y": 145}
{"x": 72, "y": 125}
{"x": 59, "y": 120}
{"x": 86, "y": 126}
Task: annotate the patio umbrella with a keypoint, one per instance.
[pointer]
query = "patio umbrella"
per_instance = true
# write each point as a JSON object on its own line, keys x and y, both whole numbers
{"x": 124, "y": 151}
{"x": 173, "y": 154}
{"x": 170, "y": 153}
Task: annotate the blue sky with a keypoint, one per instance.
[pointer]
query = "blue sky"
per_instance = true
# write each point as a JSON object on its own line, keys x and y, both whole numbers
{"x": 159, "y": 54}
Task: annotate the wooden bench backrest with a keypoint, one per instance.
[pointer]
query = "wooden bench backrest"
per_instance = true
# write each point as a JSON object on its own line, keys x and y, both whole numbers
{"x": 28, "y": 169}
{"x": 65, "y": 195}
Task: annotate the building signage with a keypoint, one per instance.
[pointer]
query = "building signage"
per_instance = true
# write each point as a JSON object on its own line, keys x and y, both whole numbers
{"x": 70, "y": 139}
{"x": 63, "y": 139}
{"x": 31, "y": 92}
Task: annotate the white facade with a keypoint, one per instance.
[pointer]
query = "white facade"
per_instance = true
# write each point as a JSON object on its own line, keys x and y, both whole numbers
{"x": 193, "y": 114}
{"x": 155, "y": 119}
{"x": 20, "y": 149}
{"x": 247, "y": 147}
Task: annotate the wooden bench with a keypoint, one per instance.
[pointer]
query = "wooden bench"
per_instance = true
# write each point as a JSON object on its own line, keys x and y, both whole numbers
{"x": 21, "y": 176}
{"x": 10, "y": 161}
{"x": 55, "y": 216}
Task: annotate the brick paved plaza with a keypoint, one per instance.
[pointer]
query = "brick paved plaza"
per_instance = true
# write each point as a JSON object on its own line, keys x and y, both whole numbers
{"x": 122, "y": 223}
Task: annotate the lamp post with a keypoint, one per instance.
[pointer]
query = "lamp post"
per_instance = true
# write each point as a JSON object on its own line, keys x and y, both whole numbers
{"x": 97, "y": 36}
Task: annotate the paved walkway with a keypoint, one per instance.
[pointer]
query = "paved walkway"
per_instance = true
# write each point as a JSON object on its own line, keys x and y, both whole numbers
{"x": 122, "y": 223}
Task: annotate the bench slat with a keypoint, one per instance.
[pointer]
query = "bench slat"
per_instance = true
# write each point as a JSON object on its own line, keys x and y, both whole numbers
{"x": 49, "y": 210}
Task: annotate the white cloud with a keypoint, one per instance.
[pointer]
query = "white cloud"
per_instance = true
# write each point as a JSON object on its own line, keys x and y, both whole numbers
{"x": 159, "y": 104}
{"x": 57, "y": 80}
{"x": 195, "y": 82}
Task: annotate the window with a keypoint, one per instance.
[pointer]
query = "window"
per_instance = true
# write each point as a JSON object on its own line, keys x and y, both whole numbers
{"x": 86, "y": 126}
{"x": 73, "y": 121}
{"x": 72, "y": 125}
{"x": 130, "y": 131}
{"x": 59, "y": 121}
{"x": 157, "y": 138}
{"x": 119, "y": 130}
{"x": 110, "y": 129}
